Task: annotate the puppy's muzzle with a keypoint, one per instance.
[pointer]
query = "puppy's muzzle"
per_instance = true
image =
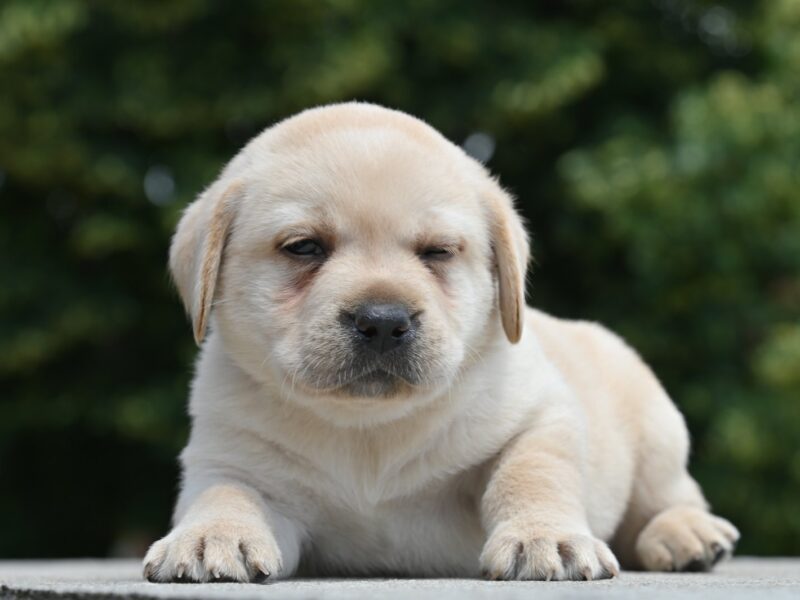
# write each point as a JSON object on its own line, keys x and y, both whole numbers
{"x": 382, "y": 327}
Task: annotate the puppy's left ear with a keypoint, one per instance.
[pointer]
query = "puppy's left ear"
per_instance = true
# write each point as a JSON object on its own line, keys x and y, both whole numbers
{"x": 511, "y": 254}
{"x": 196, "y": 251}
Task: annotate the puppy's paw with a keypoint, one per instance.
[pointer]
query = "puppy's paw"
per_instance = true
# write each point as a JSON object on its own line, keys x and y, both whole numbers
{"x": 685, "y": 538}
{"x": 514, "y": 552}
{"x": 217, "y": 551}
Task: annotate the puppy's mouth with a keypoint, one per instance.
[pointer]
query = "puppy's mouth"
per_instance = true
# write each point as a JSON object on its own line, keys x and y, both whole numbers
{"x": 379, "y": 379}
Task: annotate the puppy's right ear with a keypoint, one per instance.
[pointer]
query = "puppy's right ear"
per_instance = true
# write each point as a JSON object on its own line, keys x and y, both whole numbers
{"x": 196, "y": 250}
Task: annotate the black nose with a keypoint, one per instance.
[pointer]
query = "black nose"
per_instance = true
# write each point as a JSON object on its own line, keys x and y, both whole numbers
{"x": 383, "y": 327}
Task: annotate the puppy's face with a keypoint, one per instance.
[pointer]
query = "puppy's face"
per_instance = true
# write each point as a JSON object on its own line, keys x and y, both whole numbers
{"x": 358, "y": 257}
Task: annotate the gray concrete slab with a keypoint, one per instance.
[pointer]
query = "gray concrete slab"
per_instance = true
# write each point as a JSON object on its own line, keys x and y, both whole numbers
{"x": 75, "y": 579}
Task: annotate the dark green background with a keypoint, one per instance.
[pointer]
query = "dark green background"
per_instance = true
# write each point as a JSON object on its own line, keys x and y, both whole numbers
{"x": 654, "y": 146}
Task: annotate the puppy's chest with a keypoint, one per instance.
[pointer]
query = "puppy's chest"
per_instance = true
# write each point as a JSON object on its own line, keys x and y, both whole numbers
{"x": 435, "y": 533}
{"x": 365, "y": 513}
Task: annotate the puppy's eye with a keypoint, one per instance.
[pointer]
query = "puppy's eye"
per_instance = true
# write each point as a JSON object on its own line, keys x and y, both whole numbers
{"x": 306, "y": 247}
{"x": 435, "y": 253}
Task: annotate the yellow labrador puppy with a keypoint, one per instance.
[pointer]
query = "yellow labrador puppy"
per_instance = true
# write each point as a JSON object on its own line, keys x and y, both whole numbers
{"x": 374, "y": 397}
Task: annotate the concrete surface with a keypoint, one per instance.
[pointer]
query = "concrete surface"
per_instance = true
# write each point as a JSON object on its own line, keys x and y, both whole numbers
{"x": 76, "y": 579}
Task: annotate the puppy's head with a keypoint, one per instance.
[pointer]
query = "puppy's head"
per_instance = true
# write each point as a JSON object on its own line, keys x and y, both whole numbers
{"x": 352, "y": 255}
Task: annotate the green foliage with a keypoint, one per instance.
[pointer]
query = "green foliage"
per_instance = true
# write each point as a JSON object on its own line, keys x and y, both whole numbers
{"x": 655, "y": 148}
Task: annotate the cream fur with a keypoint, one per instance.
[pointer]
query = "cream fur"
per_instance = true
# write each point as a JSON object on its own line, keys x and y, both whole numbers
{"x": 526, "y": 447}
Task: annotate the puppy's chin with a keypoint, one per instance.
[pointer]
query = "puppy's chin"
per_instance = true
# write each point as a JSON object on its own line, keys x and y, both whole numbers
{"x": 376, "y": 384}
{"x": 363, "y": 376}
{"x": 345, "y": 410}
{"x": 372, "y": 399}
{"x": 364, "y": 390}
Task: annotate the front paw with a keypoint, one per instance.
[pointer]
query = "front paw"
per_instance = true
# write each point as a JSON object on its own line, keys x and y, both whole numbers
{"x": 214, "y": 551}
{"x": 523, "y": 552}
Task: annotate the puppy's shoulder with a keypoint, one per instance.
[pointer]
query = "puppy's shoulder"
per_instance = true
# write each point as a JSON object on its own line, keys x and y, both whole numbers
{"x": 605, "y": 371}
{"x": 588, "y": 335}
{"x": 586, "y": 349}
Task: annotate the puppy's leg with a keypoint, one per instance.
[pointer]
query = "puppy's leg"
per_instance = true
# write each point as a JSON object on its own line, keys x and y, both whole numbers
{"x": 533, "y": 510}
{"x": 227, "y": 533}
{"x": 673, "y": 529}
{"x": 685, "y": 538}
{"x": 668, "y": 526}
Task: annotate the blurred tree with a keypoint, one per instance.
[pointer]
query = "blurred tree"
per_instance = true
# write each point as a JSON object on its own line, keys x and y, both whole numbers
{"x": 654, "y": 147}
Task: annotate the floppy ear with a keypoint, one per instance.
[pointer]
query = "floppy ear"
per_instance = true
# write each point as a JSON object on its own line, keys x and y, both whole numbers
{"x": 196, "y": 250}
{"x": 511, "y": 253}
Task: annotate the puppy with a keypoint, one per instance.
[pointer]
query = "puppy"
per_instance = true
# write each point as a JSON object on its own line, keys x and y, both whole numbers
{"x": 373, "y": 397}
